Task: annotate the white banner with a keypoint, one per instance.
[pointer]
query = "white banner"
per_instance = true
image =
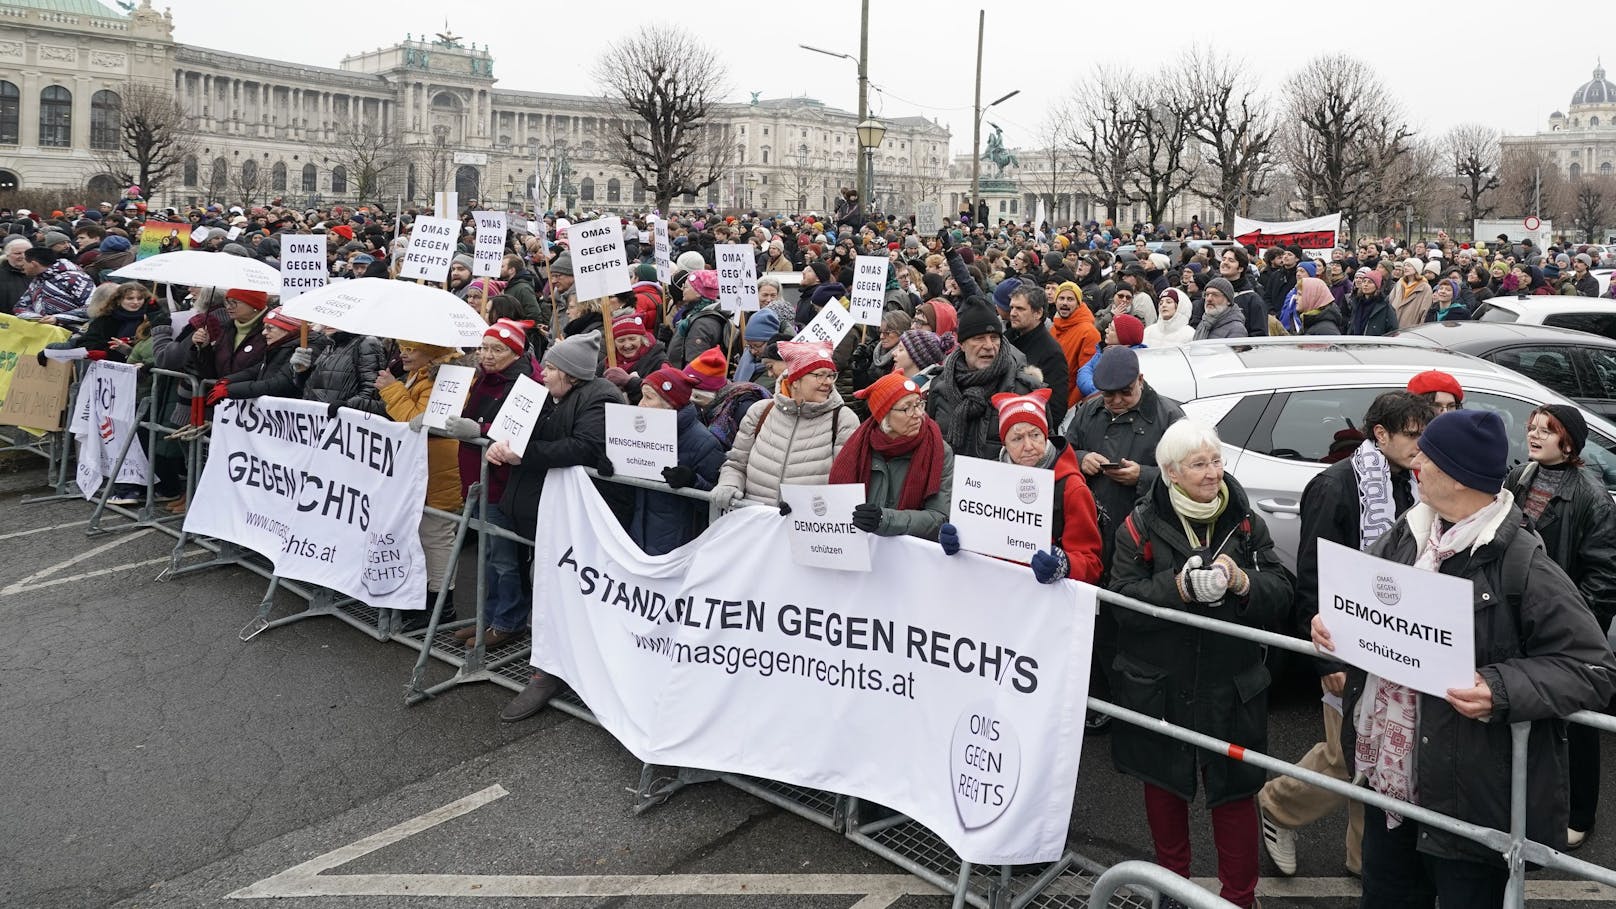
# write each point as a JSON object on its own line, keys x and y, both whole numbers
{"x": 1002, "y": 510}
{"x": 663, "y": 250}
{"x": 821, "y": 522}
{"x": 928, "y": 219}
{"x": 829, "y": 327}
{"x": 1312, "y": 234}
{"x": 335, "y": 502}
{"x": 1405, "y": 624}
{"x": 303, "y": 265}
{"x": 103, "y": 420}
{"x": 519, "y": 414}
{"x": 489, "y": 251}
{"x": 869, "y": 289}
{"x": 911, "y": 686}
{"x": 737, "y": 277}
{"x": 450, "y": 386}
{"x": 640, "y": 441}
{"x": 599, "y": 264}
{"x": 431, "y": 249}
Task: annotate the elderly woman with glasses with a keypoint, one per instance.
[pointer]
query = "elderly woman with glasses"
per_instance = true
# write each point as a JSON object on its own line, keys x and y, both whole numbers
{"x": 1193, "y": 544}
{"x": 900, "y": 457}
{"x": 792, "y": 437}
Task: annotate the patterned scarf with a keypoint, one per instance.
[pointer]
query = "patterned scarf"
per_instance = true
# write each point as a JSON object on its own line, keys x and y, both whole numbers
{"x": 1377, "y": 506}
{"x": 1388, "y": 716}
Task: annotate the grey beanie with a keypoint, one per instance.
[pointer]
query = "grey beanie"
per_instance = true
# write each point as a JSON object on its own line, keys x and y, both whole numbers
{"x": 463, "y": 259}
{"x": 562, "y": 264}
{"x": 235, "y": 249}
{"x": 690, "y": 260}
{"x": 54, "y": 238}
{"x": 1222, "y": 286}
{"x": 577, "y": 356}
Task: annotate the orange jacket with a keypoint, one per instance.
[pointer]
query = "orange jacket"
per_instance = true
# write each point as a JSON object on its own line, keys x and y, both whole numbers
{"x": 1079, "y": 339}
{"x": 404, "y": 400}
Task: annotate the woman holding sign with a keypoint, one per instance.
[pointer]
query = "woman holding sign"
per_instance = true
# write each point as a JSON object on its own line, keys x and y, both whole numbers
{"x": 1194, "y": 544}
{"x": 900, "y": 457}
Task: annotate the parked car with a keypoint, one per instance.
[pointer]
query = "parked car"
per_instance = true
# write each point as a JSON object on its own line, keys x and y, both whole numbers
{"x": 1589, "y": 314}
{"x": 1577, "y": 364}
{"x": 1286, "y": 408}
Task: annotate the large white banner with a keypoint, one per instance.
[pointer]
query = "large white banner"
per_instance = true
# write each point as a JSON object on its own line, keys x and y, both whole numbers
{"x": 951, "y": 689}
{"x": 1312, "y": 234}
{"x": 335, "y": 502}
{"x": 103, "y": 420}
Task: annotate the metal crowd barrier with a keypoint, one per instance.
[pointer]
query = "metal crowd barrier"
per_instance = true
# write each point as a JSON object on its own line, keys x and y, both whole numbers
{"x": 1073, "y": 880}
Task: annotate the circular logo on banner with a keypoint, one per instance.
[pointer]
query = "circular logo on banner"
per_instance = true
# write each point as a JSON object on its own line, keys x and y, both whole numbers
{"x": 387, "y": 564}
{"x": 639, "y": 423}
{"x": 819, "y": 506}
{"x": 984, "y": 765}
{"x": 1026, "y": 490}
{"x": 1386, "y": 590}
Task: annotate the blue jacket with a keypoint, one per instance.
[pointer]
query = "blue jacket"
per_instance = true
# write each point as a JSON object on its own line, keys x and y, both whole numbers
{"x": 664, "y": 521}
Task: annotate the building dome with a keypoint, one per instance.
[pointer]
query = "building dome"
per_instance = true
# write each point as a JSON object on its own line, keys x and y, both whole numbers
{"x": 1597, "y": 91}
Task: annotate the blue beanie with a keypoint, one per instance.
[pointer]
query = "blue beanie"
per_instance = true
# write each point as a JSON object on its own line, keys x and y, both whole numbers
{"x": 1311, "y": 267}
{"x": 113, "y": 243}
{"x": 1002, "y": 292}
{"x": 761, "y": 326}
{"x": 1472, "y": 446}
{"x": 824, "y": 293}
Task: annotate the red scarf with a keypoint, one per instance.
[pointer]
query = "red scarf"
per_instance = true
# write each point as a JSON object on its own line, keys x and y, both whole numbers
{"x": 925, "y": 450}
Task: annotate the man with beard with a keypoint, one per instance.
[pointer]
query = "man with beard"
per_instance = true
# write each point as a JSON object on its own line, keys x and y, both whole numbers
{"x": 960, "y": 398}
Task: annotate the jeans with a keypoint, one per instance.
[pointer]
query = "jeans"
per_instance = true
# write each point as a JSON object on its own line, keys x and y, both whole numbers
{"x": 1396, "y": 874}
{"x": 510, "y": 598}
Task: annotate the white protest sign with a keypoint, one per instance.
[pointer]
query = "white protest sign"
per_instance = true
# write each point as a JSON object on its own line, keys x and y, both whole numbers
{"x": 431, "y": 249}
{"x": 821, "y": 523}
{"x": 103, "y": 422}
{"x": 303, "y": 265}
{"x": 640, "y": 441}
{"x": 829, "y": 327}
{"x": 928, "y": 218}
{"x": 663, "y": 249}
{"x": 869, "y": 289}
{"x": 489, "y": 250}
{"x": 599, "y": 264}
{"x": 200, "y": 235}
{"x": 737, "y": 277}
{"x": 682, "y": 656}
{"x": 1407, "y": 625}
{"x": 232, "y": 233}
{"x": 446, "y": 205}
{"x": 519, "y": 414}
{"x": 1002, "y": 510}
{"x": 335, "y": 502}
{"x": 449, "y": 389}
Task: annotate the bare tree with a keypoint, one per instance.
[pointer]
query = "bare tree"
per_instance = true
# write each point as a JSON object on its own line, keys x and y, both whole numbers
{"x": 671, "y": 83}
{"x": 1473, "y": 149}
{"x": 434, "y": 158}
{"x": 155, "y": 136}
{"x": 1341, "y": 127}
{"x": 1591, "y": 206}
{"x": 1409, "y": 184}
{"x": 1526, "y": 176}
{"x": 1235, "y": 129}
{"x": 218, "y": 179}
{"x": 1164, "y": 161}
{"x": 799, "y": 175}
{"x": 372, "y": 155}
{"x": 1104, "y": 124}
{"x": 246, "y": 182}
{"x": 1053, "y": 166}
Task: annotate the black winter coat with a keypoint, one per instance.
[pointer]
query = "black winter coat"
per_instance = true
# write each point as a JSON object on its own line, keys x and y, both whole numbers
{"x": 1202, "y": 680}
{"x": 346, "y": 373}
{"x": 273, "y": 377}
{"x": 1579, "y": 531}
{"x": 1045, "y": 353}
{"x": 571, "y": 432}
{"x": 664, "y": 521}
{"x": 13, "y": 282}
{"x": 1327, "y": 321}
{"x": 967, "y": 417}
{"x": 1543, "y": 658}
{"x": 1132, "y": 435}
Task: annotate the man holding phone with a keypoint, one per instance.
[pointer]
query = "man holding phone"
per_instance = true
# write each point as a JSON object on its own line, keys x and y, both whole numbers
{"x": 1114, "y": 435}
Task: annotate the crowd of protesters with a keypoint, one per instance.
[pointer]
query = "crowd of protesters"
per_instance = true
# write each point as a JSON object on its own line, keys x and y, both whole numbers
{"x": 1010, "y": 342}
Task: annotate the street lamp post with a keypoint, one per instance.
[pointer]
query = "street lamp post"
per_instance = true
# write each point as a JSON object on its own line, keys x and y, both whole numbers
{"x": 870, "y": 133}
{"x": 863, "y": 63}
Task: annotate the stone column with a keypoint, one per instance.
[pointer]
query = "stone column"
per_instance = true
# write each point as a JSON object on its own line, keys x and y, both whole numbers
{"x": 207, "y": 101}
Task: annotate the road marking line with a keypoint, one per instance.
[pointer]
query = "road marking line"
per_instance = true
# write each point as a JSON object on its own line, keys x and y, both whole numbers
{"x": 878, "y": 891}
{"x": 23, "y": 533}
{"x": 14, "y": 589}
{"x": 19, "y": 586}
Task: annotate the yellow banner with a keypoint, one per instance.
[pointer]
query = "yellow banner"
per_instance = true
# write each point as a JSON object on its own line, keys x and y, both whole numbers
{"x": 21, "y": 338}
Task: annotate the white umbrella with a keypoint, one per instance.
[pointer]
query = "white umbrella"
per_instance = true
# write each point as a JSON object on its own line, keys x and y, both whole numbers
{"x": 392, "y": 309}
{"x": 195, "y": 268}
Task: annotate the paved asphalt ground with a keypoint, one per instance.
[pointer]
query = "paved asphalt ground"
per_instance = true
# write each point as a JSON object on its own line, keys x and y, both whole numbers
{"x": 151, "y": 759}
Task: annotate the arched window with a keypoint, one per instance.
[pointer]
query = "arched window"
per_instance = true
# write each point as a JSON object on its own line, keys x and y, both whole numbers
{"x": 586, "y": 190}
{"x": 311, "y": 178}
{"x": 1593, "y": 121}
{"x": 339, "y": 180}
{"x": 219, "y": 178}
{"x": 56, "y": 117}
{"x": 1604, "y": 168}
{"x": 10, "y": 112}
{"x": 104, "y": 187}
{"x": 614, "y": 190}
{"x": 8, "y": 181}
{"x": 277, "y": 177}
{"x": 106, "y": 110}
{"x": 249, "y": 174}
{"x": 1576, "y": 171}
{"x": 639, "y": 190}
{"x": 712, "y": 194}
{"x": 189, "y": 171}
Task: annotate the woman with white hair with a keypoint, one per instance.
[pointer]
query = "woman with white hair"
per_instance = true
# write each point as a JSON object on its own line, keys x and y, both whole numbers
{"x": 1194, "y": 544}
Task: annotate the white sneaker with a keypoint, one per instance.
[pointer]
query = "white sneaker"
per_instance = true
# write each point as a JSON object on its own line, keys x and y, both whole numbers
{"x": 1575, "y": 838}
{"x": 1281, "y": 845}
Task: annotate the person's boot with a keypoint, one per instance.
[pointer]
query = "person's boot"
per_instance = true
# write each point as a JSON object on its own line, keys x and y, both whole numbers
{"x": 417, "y": 619}
{"x": 540, "y": 689}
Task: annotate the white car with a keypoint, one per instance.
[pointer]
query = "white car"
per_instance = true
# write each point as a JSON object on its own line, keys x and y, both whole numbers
{"x": 1286, "y": 408}
{"x": 1594, "y": 315}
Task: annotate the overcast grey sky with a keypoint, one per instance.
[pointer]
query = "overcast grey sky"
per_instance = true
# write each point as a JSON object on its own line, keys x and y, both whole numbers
{"x": 1445, "y": 69}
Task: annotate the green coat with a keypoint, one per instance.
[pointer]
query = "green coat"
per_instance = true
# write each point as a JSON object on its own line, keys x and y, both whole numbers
{"x": 886, "y": 481}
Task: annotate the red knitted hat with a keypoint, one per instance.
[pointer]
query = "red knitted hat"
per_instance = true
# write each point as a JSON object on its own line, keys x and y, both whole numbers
{"x": 257, "y": 299}
{"x": 1130, "y": 330}
{"x": 885, "y": 392}
{"x": 671, "y": 385}
{"x": 802, "y": 358}
{"x": 1433, "y": 380}
{"x": 710, "y": 370}
{"x": 1028, "y": 408}
{"x": 282, "y": 321}
{"x": 511, "y": 333}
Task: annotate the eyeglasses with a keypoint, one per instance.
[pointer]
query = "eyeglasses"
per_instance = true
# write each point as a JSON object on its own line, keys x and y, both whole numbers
{"x": 1202, "y": 465}
{"x": 1118, "y": 392}
{"x": 822, "y": 375}
{"x": 885, "y": 332}
{"x": 912, "y": 408}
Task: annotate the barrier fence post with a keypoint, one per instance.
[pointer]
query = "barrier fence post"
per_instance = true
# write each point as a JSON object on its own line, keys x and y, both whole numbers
{"x": 1515, "y": 892}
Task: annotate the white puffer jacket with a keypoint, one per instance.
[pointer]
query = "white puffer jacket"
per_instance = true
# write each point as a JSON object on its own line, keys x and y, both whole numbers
{"x": 796, "y": 445}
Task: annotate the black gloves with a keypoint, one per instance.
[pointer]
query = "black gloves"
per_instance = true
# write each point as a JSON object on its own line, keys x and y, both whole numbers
{"x": 331, "y": 412}
{"x": 678, "y": 477}
{"x": 867, "y": 517}
{"x": 157, "y": 313}
{"x": 945, "y": 239}
{"x": 605, "y": 468}
{"x": 785, "y": 508}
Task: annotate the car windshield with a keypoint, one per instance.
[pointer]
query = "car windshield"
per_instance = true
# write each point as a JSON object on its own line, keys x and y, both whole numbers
{"x": 1491, "y": 313}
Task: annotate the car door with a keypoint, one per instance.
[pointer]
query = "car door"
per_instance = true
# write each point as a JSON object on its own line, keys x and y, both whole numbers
{"x": 1549, "y": 365}
{"x": 1598, "y": 368}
